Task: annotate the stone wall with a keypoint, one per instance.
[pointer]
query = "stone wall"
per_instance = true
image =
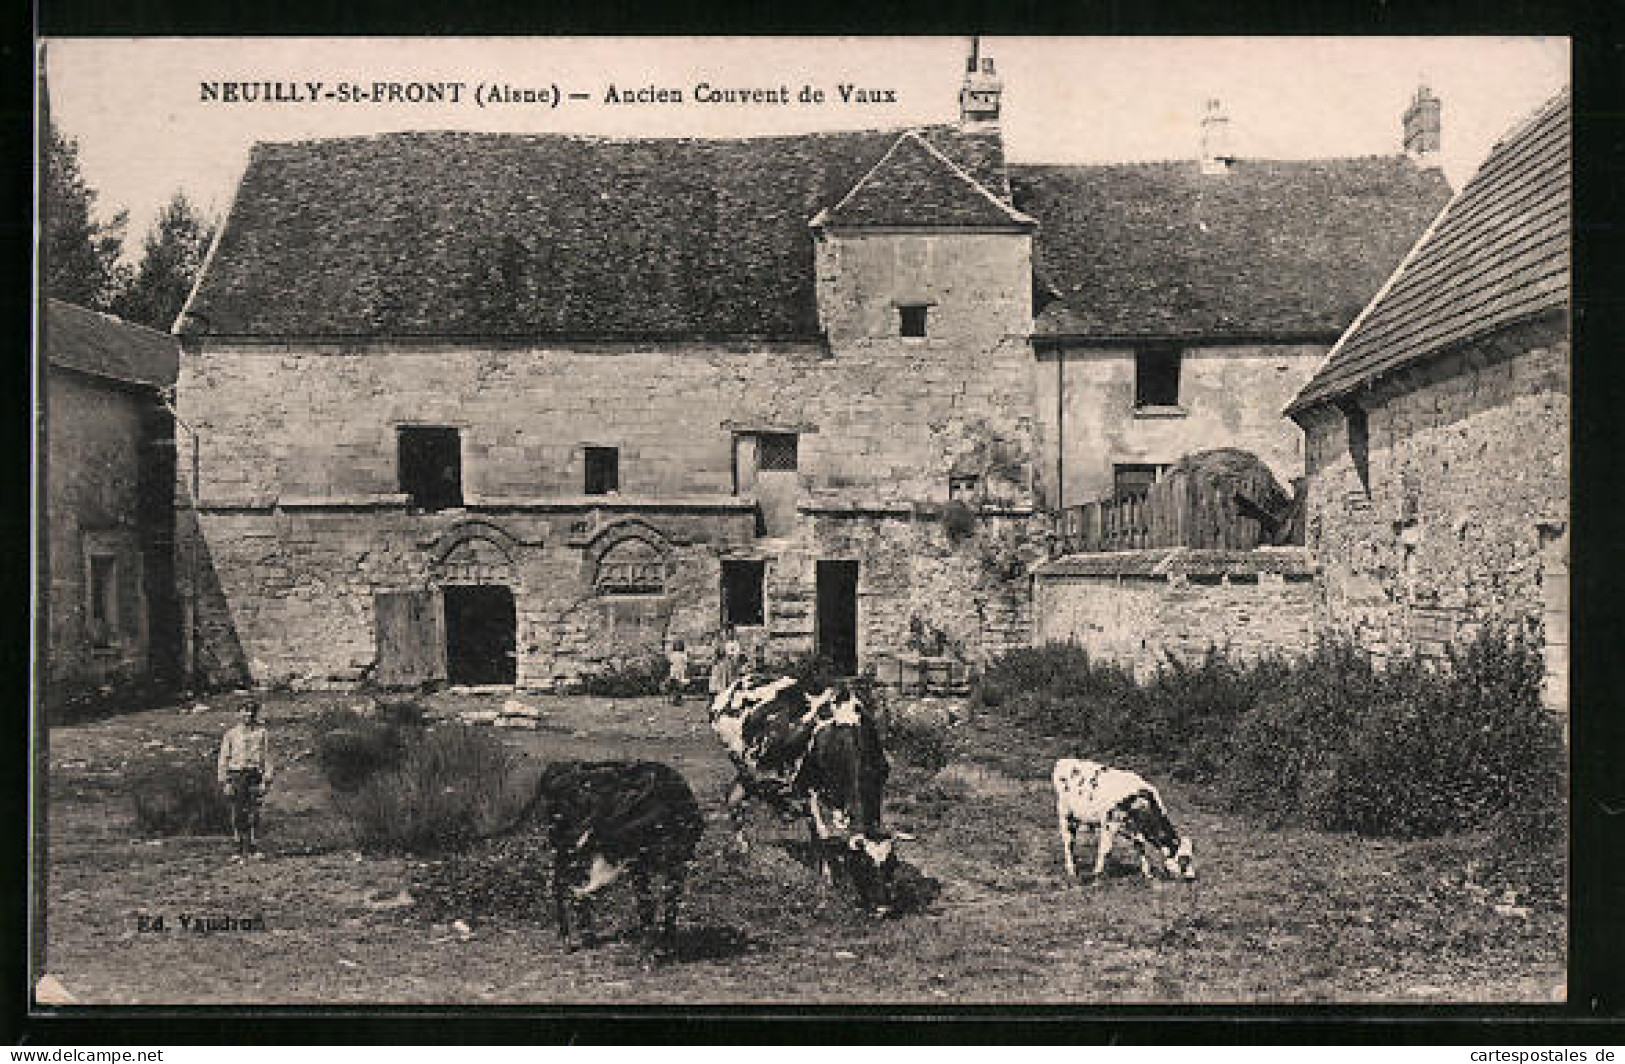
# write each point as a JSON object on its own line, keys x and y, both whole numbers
{"x": 1133, "y": 607}
{"x": 92, "y": 503}
{"x": 300, "y": 520}
{"x": 1230, "y": 396}
{"x": 1461, "y": 515}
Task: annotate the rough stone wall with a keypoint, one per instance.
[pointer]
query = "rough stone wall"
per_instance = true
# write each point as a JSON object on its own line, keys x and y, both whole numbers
{"x": 301, "y": 523}
{"x": 92, "y": 490}
{"x": 1135, "y": 620}
{"x": 1232, "y": 396}
{"x": 1463, "y": 517}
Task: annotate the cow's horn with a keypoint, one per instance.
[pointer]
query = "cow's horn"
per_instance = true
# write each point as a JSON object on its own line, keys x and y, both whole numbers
{"x": 902, "y": 836}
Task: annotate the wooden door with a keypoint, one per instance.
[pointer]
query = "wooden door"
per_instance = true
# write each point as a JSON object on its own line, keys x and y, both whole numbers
{"x": 411, "y": 642}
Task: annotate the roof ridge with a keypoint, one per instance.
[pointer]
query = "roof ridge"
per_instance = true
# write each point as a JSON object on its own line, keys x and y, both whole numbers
{"x": 595, "y": 138}
{"x": 1125, "y": 164}
{"x": 108, "y": 316}
{"x": 938, "y": 158}
{"x": 1010, "y": 211}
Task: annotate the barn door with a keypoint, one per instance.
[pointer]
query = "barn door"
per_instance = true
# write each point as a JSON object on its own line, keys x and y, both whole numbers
{"x": 410, "y": 631}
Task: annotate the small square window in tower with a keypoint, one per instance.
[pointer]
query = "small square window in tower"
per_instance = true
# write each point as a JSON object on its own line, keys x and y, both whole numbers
{"x": 603, "y": 470}
{"x": 430, "y": 467}
{"x": 1156, "y": 376}
{"x": 911, "y": 319}
{"x": 742, "y": 604}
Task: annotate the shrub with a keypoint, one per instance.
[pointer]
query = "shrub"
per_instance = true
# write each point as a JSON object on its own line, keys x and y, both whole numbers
{"x": 351, "y": 749}
{"x": 451, "y": 786}
{"x": 922, "y": 744}
{"x": 630, "y": 679}
{"x": 1328, "y": 740}
{"x": 178, "y": 798}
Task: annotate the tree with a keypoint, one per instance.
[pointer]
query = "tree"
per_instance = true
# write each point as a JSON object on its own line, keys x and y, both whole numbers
{"x": 79, "y": 255}
{"x": 171, "y": 256}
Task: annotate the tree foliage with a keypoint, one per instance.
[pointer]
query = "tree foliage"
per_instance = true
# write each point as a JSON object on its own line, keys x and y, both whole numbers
{"x": 171, "y": 256}
{"x": 79, "y": 254}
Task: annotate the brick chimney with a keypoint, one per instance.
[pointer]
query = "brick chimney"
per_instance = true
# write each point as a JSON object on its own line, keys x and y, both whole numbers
{"x": 1422, "y": 127}
{"x": 979, "y": 96}
{"x": 1216, "y": 156}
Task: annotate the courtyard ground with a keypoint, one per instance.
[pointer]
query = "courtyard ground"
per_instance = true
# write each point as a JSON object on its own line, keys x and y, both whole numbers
{"x": 1281, "y": 916}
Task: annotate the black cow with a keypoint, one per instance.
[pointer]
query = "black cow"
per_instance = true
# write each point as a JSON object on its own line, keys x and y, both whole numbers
{"x": 606, "y": 818}
{"x": 813, "y": 753}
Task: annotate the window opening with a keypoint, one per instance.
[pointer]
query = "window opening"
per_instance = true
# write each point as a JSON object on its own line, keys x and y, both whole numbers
{"x": 603, "y": 470}
{"x": 911, "y": 319}
{"x": 430, "y": 467}
{"x": 1156, "y": 376}
{"x": 742, "y": 593}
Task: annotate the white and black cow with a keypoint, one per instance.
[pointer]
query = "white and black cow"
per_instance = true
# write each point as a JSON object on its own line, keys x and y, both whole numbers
{"x": 606, "y": 818}
{"x": 1113, "y": 800}
{"x": 813, "y": 753}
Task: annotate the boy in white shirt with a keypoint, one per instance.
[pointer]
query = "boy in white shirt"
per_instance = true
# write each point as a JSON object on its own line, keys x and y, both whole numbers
{"x": 244, "y": 771}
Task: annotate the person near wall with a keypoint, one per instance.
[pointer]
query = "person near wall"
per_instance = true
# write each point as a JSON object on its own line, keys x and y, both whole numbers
{"x": 677, "y": 677}
{"x": 725, "y": 666}
{"x": 244, "y": 772}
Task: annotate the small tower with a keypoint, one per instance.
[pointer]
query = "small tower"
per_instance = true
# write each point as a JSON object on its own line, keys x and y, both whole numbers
{"x": 979, "y": 96}
{"x": 1422, "y": 127}
{"x": 1216, "y": 154}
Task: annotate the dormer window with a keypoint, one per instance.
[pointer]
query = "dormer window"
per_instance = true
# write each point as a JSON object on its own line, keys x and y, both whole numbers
{"x": 911, "y": 319}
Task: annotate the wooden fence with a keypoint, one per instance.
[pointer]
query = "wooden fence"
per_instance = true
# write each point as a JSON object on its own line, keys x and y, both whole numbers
{"x": 1178, "y": 511}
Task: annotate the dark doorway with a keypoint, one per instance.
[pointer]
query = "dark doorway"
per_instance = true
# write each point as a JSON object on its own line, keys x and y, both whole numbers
{"x": 742, "y": 592}
{"x": 837, "y": 631}
{"x": 479, "y": 635}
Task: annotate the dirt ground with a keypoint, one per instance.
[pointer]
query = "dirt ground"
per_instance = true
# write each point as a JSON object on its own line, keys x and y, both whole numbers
{"x": 1281, "y": 916}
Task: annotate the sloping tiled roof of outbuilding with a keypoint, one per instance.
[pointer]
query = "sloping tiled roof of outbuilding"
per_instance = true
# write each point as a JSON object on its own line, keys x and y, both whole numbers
{"x": 106, "y": 346}
{"x": 1497, "y": 256}
{"x": 1267, "y": 248}
{"x": 469, "y": 234}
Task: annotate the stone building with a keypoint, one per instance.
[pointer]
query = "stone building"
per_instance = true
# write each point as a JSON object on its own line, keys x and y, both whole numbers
{"x": 1182, "y": 304}
{"x": 108, "y": 472}
{"x": 504, "y": 408}
{"x": 1437, "y": 430}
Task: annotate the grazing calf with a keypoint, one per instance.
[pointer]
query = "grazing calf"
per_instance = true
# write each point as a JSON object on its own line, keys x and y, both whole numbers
{"x": 606, "y": 818}
{"x": 817, "y": 754}
{"x": 1109, "y": 800}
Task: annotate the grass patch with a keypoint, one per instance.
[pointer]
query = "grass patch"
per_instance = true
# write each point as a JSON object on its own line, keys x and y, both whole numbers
{"x": 449, "y": 787}
{"x": 178, "y": 797}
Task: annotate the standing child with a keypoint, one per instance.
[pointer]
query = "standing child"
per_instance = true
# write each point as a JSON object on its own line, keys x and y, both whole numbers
{"x": 244, "y": 770}
{"x": 677, "y": 679}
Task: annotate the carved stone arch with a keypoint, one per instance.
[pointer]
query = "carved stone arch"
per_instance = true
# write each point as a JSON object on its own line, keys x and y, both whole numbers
{"x": 475, "y": 552}
{"x": 629, "y": 556}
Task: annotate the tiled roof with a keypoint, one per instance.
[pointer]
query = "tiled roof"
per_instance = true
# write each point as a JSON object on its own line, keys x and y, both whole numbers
{"x": 1187, "y": 561}
{"x": 494, "y": 234}
{"x": 1498, "y": 255}
{"x": 914, "y": 184}
{"x": 106, "y": 346}
{"x": 1271, "y": 247}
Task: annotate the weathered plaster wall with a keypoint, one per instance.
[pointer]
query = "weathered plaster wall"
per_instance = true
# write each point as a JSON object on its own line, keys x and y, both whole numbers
{"x": 1134, "y": 619}
{"x": 92, "y": 490}
{"x": 1232, "y": 396}
{"x": 1463, "y": 517}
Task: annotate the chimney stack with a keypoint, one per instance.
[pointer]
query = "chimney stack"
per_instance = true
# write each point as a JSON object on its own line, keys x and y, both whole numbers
{"x": 1422, "y": 127}
{"x": 1216, "y": 156}
{"x": 979, "y": 96}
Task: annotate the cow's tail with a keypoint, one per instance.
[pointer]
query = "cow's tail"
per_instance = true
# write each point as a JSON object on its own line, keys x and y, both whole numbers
{"x": 532, "y": 812}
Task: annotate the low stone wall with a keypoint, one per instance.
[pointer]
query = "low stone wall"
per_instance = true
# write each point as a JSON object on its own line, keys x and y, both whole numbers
{"x": 1132, "y": 607}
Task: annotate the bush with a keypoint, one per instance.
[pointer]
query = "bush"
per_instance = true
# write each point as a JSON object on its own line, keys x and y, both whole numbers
{"x": 921, "y": 744}
{"x": 631, "y": 679}
{"x": 351, "y": 749}
{"x": 450, "y": 787}
{"x": 178, "y": 798}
